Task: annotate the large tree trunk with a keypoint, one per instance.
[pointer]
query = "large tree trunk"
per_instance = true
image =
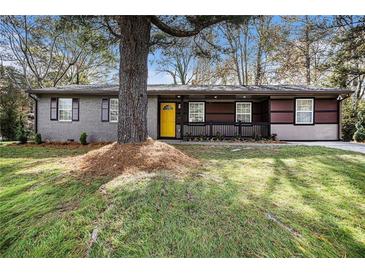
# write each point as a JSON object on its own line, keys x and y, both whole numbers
{"x": 134, "y": 48}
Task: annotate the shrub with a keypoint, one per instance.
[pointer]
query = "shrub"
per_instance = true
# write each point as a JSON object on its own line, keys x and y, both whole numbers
{"x": 22, "y": 133}
{"x": 83, "y": 138}
{"x": 8, "y": 123}
{"x": 38, "y": 138}
{"x": 350, "y": 118}
{"x": 359, "y": 135}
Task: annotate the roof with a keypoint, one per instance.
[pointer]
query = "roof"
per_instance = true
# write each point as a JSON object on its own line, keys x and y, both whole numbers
{"x": 108, "y": 89}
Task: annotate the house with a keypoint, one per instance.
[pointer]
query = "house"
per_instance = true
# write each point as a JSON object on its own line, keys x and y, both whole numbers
{"x": 180, "y": 111}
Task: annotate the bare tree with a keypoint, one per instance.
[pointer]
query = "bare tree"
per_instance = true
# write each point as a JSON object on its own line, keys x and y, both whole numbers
{"x": 264, "y": 44}
{"x": 50, "y": 51}
{"x": 304, "y": 48}
{"x": 237, "y": 37}
{"x": 179, "y": 62}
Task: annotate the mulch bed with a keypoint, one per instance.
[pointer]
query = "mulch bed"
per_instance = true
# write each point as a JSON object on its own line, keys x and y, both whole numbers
{"x": 117, "y": 159}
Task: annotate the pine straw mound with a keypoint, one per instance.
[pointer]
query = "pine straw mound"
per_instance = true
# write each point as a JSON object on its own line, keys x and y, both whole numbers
{"x": 117, "y": 159}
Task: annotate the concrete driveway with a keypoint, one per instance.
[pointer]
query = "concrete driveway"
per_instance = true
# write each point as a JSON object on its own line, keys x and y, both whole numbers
{"x": 335, "y": 144}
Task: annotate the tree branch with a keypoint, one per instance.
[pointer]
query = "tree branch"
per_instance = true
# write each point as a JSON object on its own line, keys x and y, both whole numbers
{"x": 199, "y": 25}
{"x": 110, "y": 28}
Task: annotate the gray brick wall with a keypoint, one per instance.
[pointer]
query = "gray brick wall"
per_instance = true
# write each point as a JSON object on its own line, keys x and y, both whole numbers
{"x": 89, "y": 121}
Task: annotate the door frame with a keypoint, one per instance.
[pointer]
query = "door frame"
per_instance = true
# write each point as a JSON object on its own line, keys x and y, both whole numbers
{"x": 159, "y": 119}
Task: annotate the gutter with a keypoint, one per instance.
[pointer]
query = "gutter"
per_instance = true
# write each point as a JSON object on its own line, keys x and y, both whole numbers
{"x": 35, "y": 113}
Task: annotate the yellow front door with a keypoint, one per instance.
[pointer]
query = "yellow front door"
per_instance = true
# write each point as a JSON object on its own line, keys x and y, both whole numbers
{"x": 167, "y": 119}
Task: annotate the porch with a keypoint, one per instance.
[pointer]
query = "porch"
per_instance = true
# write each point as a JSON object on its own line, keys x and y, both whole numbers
{"x": 222, "y": 116}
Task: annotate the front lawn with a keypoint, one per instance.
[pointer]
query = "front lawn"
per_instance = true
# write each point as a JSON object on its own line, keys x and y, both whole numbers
{"x": 242, "y": 202}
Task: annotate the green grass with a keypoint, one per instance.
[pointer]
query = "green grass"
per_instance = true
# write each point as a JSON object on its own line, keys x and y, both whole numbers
{"x": 315, "y": 195}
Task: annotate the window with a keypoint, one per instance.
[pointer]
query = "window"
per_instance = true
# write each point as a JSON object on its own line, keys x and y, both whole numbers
{"x": 65, "y": 109}
{"x": 304, "y": 111}
{"x": 196, "y": 112}
{"x": 244, "y": 112}
{"x": 114, "y": 107}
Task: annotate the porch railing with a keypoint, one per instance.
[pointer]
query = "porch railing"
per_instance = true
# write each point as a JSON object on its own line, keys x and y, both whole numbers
{"x": 228, "y": 130}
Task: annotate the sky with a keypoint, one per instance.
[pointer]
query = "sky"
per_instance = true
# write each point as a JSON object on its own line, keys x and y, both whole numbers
{"x": 155, "y": 77}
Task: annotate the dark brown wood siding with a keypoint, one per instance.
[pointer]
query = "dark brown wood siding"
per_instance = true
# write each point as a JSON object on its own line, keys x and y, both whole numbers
{"x": 219, "y": 112}
{"x": 282, "y": 105}
{"x": 326, "y": 104}
{"x": 282, "y": 111}
{"x": 282, "y": 117}
{"x": 326, "y": 111}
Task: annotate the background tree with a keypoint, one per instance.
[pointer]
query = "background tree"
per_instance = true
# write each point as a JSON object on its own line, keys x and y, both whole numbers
{"x": 347, "y": 67}
{"x": 12, "y": 101}
{"x": 237, "y": 36}
{"x": 178, "y": 61}
{"x": 303, "y": 50}
{"x": 248, "y": 47}
{"x": 193, "y": 60}
{"x": 348, "y": 61}
{"x": 53, "y": 50}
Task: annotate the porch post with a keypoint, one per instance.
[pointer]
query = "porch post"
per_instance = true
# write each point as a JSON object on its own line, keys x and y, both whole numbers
{"x": 182, "y": 117}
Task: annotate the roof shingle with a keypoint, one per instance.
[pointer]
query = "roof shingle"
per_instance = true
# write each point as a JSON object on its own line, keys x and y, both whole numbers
{"x": 111, "y": 89}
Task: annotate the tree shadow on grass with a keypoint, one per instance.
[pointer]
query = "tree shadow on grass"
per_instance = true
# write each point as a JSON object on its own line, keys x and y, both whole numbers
{"x": 189, "y": 218}
{"x": 352, "y": 170}
{"x": 196, "y": 217}
{"x": 46, "y": 214}
{"x": 326, "y": 236}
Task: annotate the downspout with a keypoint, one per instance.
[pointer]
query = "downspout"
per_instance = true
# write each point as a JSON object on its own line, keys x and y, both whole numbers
{"x": 35, "y": 113}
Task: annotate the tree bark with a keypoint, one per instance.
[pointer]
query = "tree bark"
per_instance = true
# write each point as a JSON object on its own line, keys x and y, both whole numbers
{"x": 258, "y": 75}
{"x": 245, "y": 53}
{"x": 133, "y": 72}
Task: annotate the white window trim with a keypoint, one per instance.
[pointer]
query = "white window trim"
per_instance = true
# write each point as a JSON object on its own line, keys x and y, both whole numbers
{"x": 202, "y": 102}
{"x": 59, "y": 109}
{"x": 296, "y": 112}
{"x": 250, "y": 103}
{"x": 110, "y": 111}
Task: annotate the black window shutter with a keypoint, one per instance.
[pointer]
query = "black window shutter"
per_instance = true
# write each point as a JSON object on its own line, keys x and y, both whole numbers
{"x": 54, "y": 109}
{"x": 105, "y": 110}
{"x": 75, "y": 109}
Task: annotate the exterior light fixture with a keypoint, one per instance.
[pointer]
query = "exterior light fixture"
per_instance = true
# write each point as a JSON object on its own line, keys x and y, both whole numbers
{"x": 215, "y": 97}
{"x": 178, "y": 96}
{"x": 339, "y": 98}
